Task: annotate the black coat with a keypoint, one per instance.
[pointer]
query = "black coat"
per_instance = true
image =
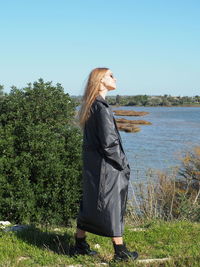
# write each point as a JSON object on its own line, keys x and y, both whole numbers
{"x": 106, "y": 174}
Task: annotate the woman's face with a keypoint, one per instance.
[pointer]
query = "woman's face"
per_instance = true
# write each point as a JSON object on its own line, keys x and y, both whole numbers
{"x": 109, "y": 80}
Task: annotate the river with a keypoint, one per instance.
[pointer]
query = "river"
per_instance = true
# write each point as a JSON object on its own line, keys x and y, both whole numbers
{"x": 159, "y": 146}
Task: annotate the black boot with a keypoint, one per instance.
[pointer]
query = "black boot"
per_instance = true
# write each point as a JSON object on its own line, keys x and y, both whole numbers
{"x": 122, "y": 253}
{"x": 82, "y": 247}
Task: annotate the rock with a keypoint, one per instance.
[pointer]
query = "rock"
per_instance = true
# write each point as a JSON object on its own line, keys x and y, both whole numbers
{"x": 97, "y": 246}
{"x": 138, "y": 229}
{"x": 57, "y": 229}
{"x": 129, "y": 113}
{"x": 154, "y": 260}
{"x": 5, "y": 223}
{"x": 16, "y": 228}
{"x": 22, "y": 258}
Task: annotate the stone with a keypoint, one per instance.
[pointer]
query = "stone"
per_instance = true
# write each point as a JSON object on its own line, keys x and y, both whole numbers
{"x": 5, "y": 223}
{"x": 97, "y": 246}
{"x": 16, "y": 228}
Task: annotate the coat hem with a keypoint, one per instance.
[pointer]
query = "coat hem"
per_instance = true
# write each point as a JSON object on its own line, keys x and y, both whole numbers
{"x": 96, "y": 232}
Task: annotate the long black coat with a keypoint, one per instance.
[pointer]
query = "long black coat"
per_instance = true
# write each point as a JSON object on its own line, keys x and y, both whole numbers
{"x": 106, "y": 174}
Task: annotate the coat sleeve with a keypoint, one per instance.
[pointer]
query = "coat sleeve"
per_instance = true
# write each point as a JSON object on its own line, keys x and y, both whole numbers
{"x": 109, "y": 139}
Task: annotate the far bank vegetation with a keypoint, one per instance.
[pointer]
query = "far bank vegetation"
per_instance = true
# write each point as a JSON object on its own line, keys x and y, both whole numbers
{"x": 148, "y": 100}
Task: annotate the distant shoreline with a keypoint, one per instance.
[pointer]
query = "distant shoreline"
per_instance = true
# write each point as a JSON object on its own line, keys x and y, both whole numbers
{"x": 189, "y": 106}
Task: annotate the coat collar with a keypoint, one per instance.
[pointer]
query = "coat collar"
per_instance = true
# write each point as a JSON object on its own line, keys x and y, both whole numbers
{"x": 101, "y": 99}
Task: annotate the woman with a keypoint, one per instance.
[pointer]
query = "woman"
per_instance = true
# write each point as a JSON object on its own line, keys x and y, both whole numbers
{"x": 106, "y": 171}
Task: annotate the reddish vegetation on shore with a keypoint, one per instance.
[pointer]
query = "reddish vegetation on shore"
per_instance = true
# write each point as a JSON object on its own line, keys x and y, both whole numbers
{"x": 127, "y": 127}
{"x": 121, "y": 120}
{"x": 129, "y": 113}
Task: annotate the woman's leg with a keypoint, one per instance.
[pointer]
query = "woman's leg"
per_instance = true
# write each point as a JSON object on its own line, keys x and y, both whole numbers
{"x": 121, "y": 251}
{"x": 117, "y": 240}
{"x": 81, "y": 245}
{"x": 80, "y": 233}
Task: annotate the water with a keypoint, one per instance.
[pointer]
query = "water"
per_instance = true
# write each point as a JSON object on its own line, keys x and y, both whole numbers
{"x": 159, "y": 146}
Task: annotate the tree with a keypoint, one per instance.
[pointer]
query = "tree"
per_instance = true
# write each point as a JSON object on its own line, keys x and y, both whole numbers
{"x": 1, "y": 90}
{"x": 118, "y": 99}
{"x": 40, "y": 155}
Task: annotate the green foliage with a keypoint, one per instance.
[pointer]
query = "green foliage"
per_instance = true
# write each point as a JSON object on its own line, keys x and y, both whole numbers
{"x": 40, "y": 158}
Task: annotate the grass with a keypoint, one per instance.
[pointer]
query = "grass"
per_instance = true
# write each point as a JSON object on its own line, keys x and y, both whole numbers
{"x": 37, "y": 247}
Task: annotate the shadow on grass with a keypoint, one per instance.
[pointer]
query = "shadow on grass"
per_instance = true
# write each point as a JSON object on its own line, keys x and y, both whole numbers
{"x": 58, "y": 243}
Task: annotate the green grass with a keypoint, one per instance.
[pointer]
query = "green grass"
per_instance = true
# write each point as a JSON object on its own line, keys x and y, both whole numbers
{"x": 37, "y": 247}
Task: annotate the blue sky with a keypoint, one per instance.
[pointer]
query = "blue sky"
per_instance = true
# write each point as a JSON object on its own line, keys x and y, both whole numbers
{"x": 152, "y": 46}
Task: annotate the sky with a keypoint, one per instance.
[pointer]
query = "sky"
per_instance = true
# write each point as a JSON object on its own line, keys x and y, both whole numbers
{"x": 151, "y": 46}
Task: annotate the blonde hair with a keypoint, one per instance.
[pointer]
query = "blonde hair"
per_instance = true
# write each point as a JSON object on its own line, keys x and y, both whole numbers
{"x": 90, "y": 93}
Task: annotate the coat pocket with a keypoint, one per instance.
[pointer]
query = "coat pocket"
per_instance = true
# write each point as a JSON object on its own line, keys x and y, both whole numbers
{"x": 127, "y": 172}
{"x": 101, "y": 189}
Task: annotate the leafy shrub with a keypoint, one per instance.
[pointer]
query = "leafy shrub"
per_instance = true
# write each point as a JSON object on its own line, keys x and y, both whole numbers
{"x": 40, "y": 155}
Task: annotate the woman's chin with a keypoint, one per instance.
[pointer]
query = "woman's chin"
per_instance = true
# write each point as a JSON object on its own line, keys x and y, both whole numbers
{"x": 112, "y": 88}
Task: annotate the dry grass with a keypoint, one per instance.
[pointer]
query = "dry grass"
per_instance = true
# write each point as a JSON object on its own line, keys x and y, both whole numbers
{"x": 169, "y": 196}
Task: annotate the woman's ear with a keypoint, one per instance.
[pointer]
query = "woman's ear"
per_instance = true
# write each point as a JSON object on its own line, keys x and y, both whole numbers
{"x": 102, "y": 80}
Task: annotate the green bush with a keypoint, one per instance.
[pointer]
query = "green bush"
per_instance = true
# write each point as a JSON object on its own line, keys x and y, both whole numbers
{"x": 40, "y": 155}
